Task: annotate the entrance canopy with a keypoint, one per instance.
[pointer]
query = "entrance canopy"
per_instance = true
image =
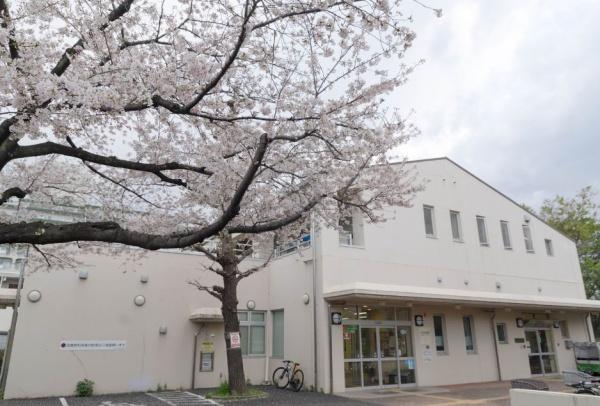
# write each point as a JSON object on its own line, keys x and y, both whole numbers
{"x": 418, "y": 294}
{"x": 207, "y": 314}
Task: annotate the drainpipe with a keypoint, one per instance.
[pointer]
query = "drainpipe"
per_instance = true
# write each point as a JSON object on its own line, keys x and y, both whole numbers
{"x": 194, "y": 359}
{"x": 313, "y": 244}
{"x": 13, "y": 326}
{"x": 493, "y": 327}
{"x": 587, "y": 320}
{"x": 267, "y": 335}
{"x": 330, "y": 350}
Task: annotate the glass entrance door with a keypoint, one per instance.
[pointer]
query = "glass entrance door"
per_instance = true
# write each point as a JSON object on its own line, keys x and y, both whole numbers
{"x": 381, "y": 353}
{"x": 542, "y": 359}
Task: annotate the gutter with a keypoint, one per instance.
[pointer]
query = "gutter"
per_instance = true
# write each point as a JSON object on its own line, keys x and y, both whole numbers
{"x": 194, "y": 359}
{"x": 493, "y": 327}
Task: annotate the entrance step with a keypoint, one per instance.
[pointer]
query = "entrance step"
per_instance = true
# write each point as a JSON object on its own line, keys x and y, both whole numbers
{"x": 181, "y": 398}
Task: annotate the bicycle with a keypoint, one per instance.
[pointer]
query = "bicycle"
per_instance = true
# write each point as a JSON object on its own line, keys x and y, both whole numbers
{"x": 289, "y": 374}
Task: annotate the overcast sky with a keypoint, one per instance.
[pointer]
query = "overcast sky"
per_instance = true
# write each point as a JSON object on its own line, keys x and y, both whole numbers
{"x": 511, "y": 91}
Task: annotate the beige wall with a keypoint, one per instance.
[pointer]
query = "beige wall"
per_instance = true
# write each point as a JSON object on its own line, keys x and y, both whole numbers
{"x": 102, "y": 308}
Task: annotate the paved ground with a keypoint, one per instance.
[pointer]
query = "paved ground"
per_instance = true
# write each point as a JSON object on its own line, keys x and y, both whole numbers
{"x": 489, "y": 394}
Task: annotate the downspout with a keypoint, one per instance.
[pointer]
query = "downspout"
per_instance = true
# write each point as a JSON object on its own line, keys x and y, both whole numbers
{"x": 587, "y": 320}
{"x": 492, "y": 325}
{"x": 13, "y": 326}
{"x": 330, "y": 349}
{"x": 313, "y": 243}
{"x": 267, "y": 335}
{"x": 194, "y": 359}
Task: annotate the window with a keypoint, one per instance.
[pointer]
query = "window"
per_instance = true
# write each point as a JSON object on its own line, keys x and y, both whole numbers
{"x": 455, "y": 225}
{"x": 277, "y": 320}
{"x": 527, "y": 237}
{"x": 5, "y": 263}
{"x": 505, "y": 235}
{"x": 482, "y": 230}
{"x": 469, "y": 329}
{"x": 549, "y": 247}
{"x": 4, "y": 249}
{"x": 439, "y": 327}
{"x": 252, "y": 332}
{"x": 501, "y": 333}
{"x": 351, "y": 230}
{"x": 429, "y": 221}
{"x": 564, "y": 329}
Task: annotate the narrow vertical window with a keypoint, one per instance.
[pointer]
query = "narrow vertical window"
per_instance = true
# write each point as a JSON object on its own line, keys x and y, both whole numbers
{"x": 469, "y": 329}
{"x": 549, "y": 247}
{"x": 346, "y": 231}
{"x": 429, "y": 221}
{"x": 455, "y": 225}
{"x": 482, "y": 230}
{"x": 439, "y": 327}
{"x": 527, "y": 238}
{"x": 501, "y": 333}
{"x": 277, "y": 317}
{"x": 505, "y": 235}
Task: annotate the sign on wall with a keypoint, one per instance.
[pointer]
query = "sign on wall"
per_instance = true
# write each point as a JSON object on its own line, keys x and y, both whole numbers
{"x": 234, "y": 339}
{"x": 336, "y": 318}
{"x": 92, "y": 345}
{"x": 207, "y": 346}
{"x": 419, "y": 320}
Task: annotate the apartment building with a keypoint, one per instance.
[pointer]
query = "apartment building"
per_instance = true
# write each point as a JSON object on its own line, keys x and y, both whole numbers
{"x": 464, "y": 286}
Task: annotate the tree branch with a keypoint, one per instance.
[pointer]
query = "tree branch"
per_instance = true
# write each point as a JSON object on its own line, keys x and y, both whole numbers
{"x": 213, "y": 291}
{"x": 47, "y": 148}
{"x": 274, "y": 224}
{"x": 39, "y": 232}
{"x": 12, "y": 192}
{"x": 13, "y": 47}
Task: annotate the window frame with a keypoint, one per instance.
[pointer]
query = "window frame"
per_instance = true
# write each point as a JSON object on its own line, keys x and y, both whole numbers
{"x": 528, "y": 237}
{"x": 504, "y": 223}
{"x": 444, "y": 334}
{"x": 282, "y": 354}
{"x": 549, "y": 247}
{"x": 249, "y": 323}
{"x": 433, "y": 227}
{"x": 456, "y": 213}
{"x": 504, "y": 328}
{"x": 485, "y": 243}
{"x": 471, "y": 321}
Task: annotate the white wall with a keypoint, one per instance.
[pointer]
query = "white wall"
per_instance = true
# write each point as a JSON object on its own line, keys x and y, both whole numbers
{"x": 102, "y": 308}
{"x": 398, "y": 251}
{"x": 522, "y": 397}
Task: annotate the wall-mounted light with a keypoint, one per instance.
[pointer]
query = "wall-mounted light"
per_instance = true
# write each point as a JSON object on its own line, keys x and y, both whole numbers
{"x": 305, "y": 298}
{"x": 144, "y": 278}
{"x": 466, "y": 282}
{"x": 83, "y": 275}
{"x": 139, "y": 300}
{"x": 498, "y": 285}
{"x": 251, "y": 304}
{"x": 539, "y": 289}
{"x": 439, "y": 279}
{"x": 162, "y": 330}
{"x": 34, "y": 296}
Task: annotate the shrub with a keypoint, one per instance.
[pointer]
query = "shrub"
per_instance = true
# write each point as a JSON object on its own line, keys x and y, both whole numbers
{"x": 84, "y": 387}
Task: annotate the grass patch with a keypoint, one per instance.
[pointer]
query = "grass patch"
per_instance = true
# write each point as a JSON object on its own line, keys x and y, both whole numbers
{"x": 223, "y": 393}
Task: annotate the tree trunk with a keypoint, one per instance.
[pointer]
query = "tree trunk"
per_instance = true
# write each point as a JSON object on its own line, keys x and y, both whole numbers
{"x": 235, "y": 365}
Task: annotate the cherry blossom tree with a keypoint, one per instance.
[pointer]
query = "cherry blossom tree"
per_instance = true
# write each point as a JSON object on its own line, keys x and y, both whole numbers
{"x": 183, "y": 119}
{"x": 176, "y": 121}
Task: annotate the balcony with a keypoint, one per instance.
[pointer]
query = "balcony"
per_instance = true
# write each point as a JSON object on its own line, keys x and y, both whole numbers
{"x": 289, "y": 247}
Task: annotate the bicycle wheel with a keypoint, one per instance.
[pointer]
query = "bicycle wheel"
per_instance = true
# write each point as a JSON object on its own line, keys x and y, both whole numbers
{"x": 281, "y": 378}
{"x": 297, "y": 380}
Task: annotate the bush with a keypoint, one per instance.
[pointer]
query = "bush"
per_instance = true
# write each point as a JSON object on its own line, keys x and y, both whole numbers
{"x": 223, "y": 389}
{"x": 84, "y": 387}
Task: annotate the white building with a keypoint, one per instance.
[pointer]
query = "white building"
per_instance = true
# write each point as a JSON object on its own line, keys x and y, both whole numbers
{"x": 465, "y": 286}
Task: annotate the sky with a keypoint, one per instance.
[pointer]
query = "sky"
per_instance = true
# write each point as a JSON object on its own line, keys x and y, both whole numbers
{"x": 510, "y": 89}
